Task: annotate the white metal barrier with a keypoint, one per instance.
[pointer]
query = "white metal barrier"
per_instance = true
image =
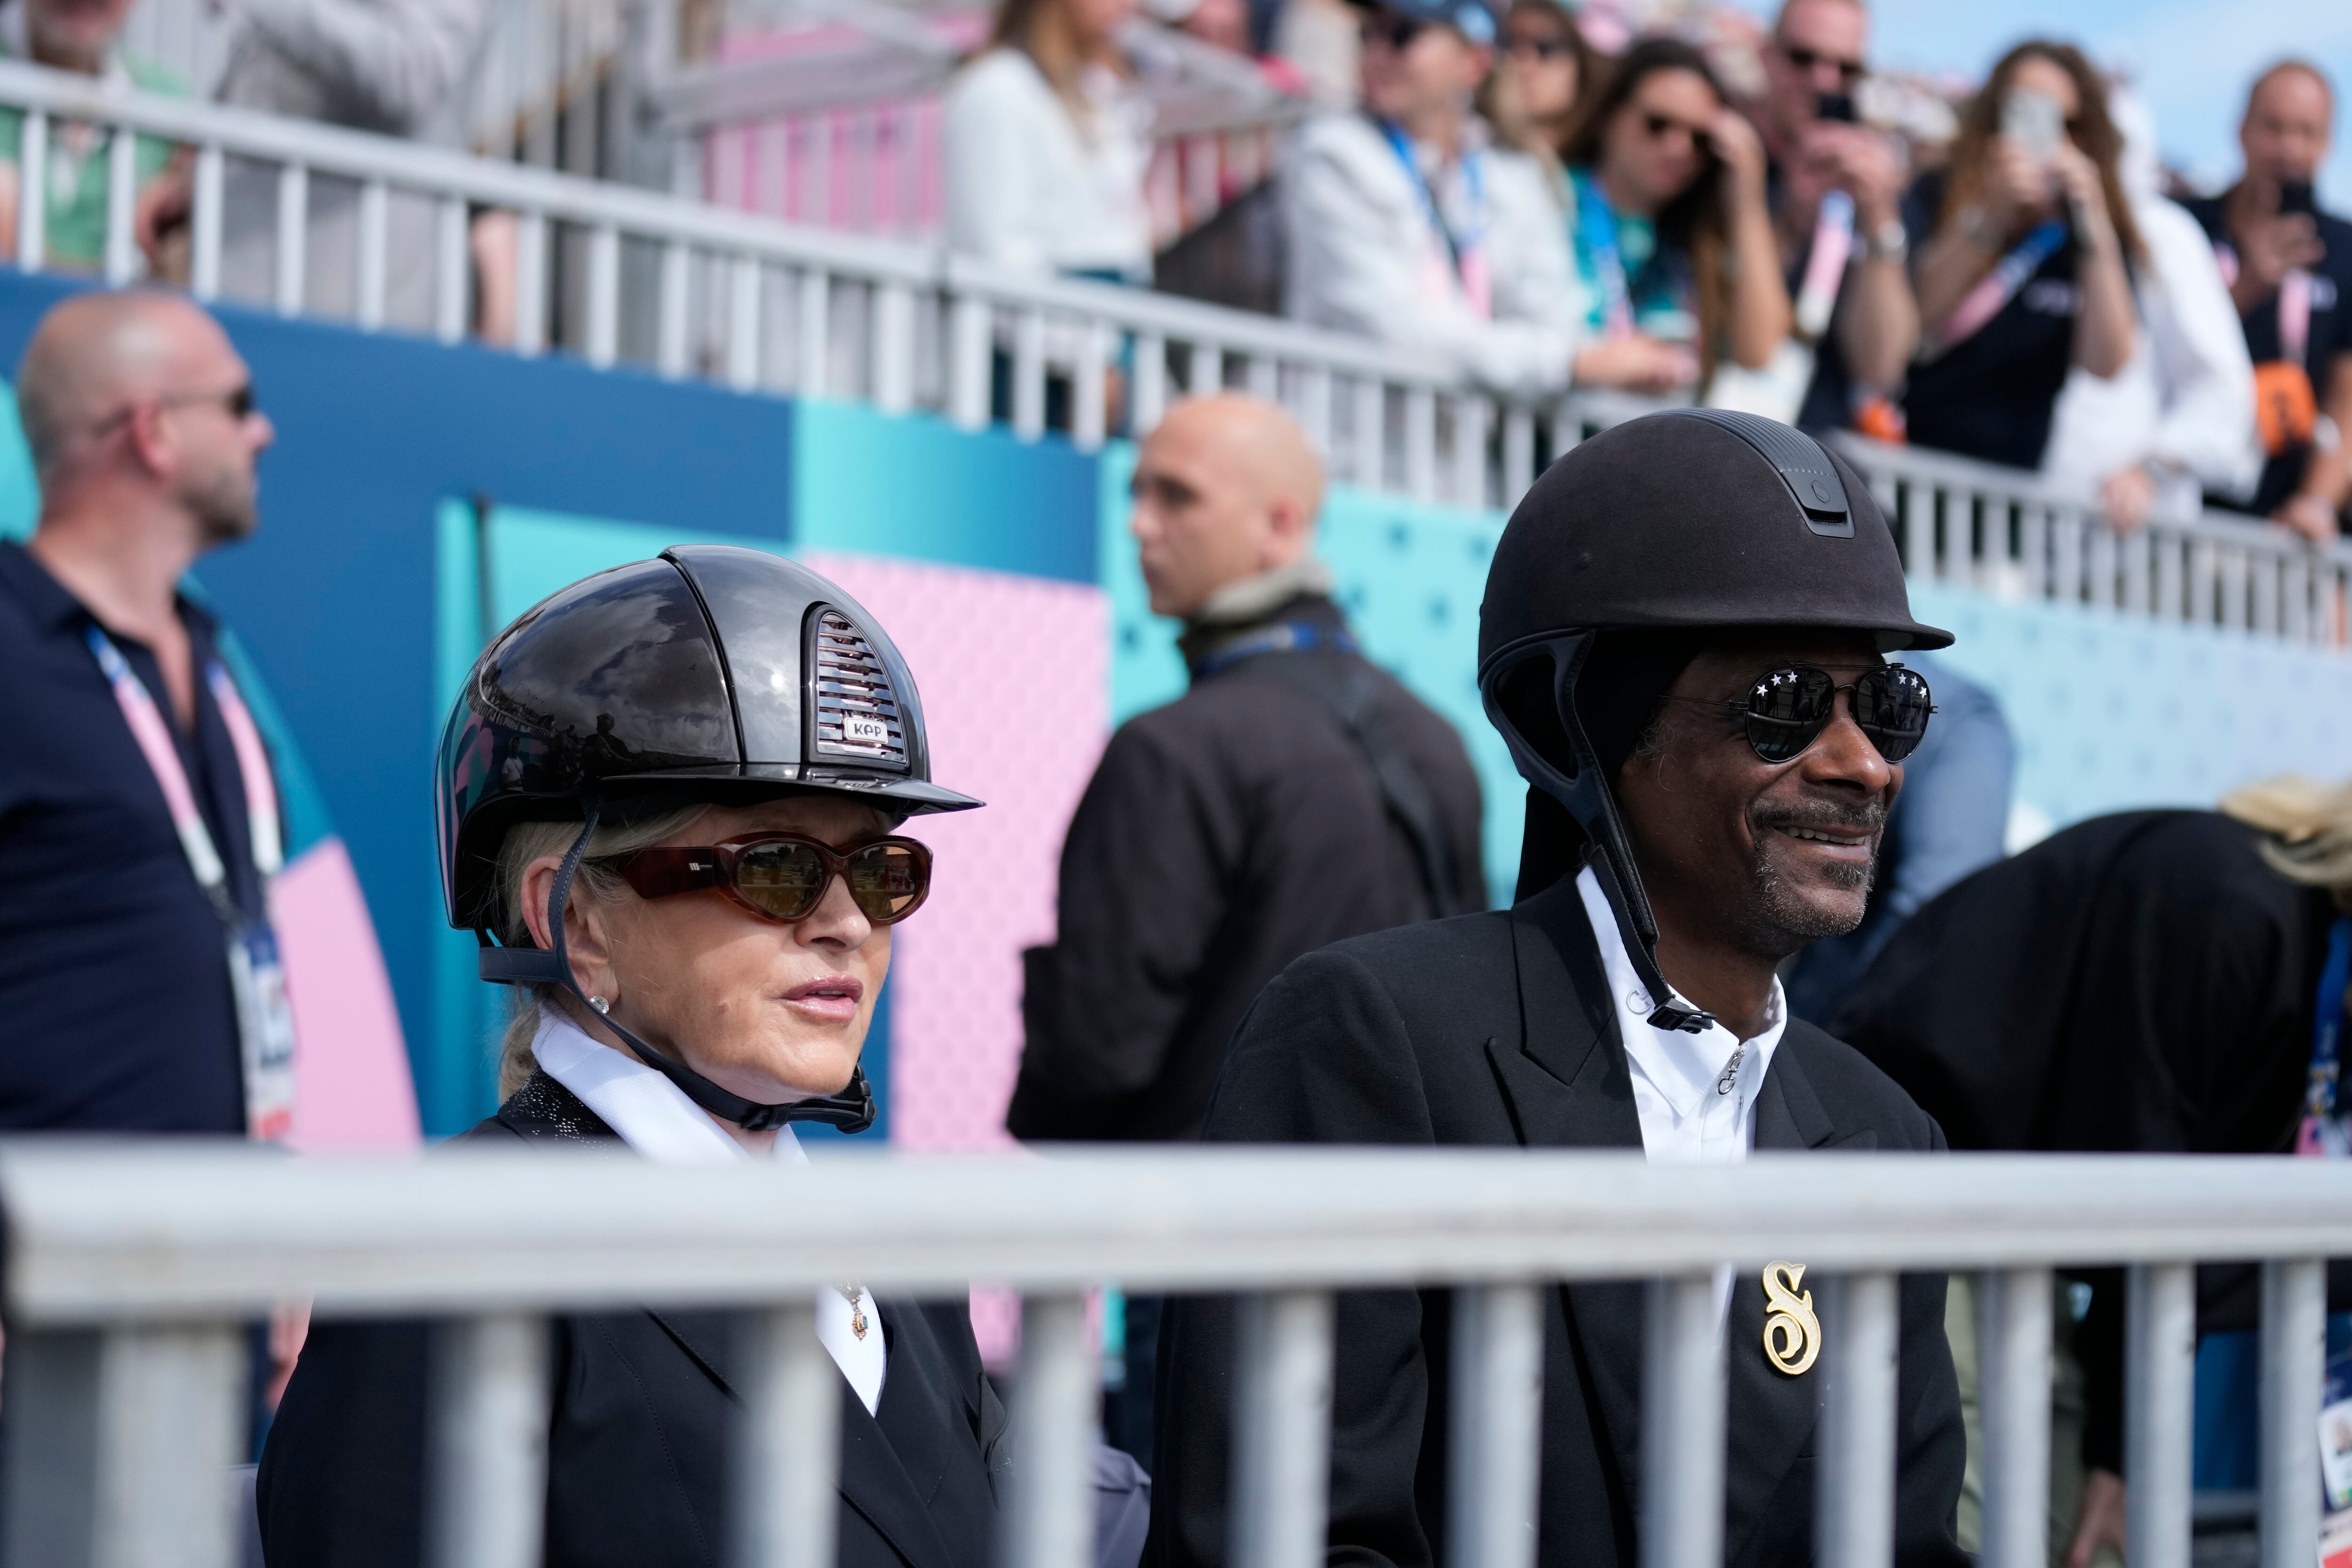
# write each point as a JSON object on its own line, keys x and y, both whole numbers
{"x": 686, "y": 290}
{"x": 131, "y": 1272}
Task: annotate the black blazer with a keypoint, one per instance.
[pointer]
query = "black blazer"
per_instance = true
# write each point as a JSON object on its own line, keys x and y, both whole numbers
{"x": 638, "y": 1434}
{"x": 1497, "y": 1029}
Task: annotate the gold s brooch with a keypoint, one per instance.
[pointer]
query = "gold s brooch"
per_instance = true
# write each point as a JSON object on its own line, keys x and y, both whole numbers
{"x": 1793, "y": 1335}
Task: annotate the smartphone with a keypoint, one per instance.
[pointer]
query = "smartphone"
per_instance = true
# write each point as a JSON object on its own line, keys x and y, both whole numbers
{"x": 2295, "y": 197}
{"x": 1837, "y": 107}
{"x": 2034, "y": 120}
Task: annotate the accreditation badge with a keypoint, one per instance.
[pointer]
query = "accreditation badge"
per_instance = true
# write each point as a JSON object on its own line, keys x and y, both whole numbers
{"x": 265, "y": 1028}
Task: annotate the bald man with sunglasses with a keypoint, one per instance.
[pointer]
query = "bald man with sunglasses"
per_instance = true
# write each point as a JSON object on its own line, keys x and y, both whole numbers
{"x": 129, "y": 743}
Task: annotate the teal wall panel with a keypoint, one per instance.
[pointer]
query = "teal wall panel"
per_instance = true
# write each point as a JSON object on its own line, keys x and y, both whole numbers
{"x": 915, "y": 486}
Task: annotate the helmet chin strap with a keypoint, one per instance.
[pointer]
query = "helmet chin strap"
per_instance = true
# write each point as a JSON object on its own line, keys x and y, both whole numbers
{"x": 852, "y": 1110}
{"x": 1587, "y": 798}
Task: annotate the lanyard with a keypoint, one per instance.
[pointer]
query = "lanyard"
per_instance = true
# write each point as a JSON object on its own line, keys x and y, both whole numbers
{"x": 153, "y": 732}
{"x": 256, "y": 971}
{"x": 1462, "y": 246}
{"x": 1999, "y": 287}
{"x": 1283, "y": 637}
{"x": 1825, "y": 265}
{"x": 1596, "y": 221}
{"x": 2324, "y": 1131}
{"x": 2294, "y": 302}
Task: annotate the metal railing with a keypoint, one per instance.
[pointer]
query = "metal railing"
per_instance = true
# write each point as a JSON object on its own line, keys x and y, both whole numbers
{"x": 619, "y": 274}
{"x": 131, "y": 1272}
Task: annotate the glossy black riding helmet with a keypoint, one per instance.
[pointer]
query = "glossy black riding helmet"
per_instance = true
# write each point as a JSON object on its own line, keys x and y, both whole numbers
{"x": 1689, "y": 520}
{"x": 710, "y": 675}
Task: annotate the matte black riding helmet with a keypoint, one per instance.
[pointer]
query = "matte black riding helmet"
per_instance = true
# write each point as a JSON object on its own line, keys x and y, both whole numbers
{"x": 711, "y": 675}
{"x": 1681, "y": 522}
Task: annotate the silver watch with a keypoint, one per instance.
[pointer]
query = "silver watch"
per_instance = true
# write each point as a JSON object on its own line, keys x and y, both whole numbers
{"x": 1890, "y": 241}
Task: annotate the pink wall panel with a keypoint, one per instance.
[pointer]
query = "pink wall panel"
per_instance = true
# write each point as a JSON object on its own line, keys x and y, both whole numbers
{"x": 1014, "y": 677}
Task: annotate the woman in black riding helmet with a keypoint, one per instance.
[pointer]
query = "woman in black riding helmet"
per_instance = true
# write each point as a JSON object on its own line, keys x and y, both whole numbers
{"x": 671, "y": 793}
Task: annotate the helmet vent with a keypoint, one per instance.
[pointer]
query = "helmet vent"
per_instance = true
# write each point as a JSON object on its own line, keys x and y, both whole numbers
{"x": 855, "y": 708}
{"x": 1804, "y": 467}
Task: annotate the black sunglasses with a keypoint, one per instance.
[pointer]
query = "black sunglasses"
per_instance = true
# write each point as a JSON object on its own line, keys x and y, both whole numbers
{"x": 1849, "y": 71}
{"x": 1388, "y": 27}
{"x": 1659, "y": 124}
{"x": 238, "y": 401}
{"x": 1786, "y": 709}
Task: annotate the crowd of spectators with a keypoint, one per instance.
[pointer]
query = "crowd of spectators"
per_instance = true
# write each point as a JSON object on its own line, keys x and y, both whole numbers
{"x": 1760, "y": 224}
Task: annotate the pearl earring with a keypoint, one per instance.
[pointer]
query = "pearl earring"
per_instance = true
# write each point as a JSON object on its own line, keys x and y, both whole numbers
{"x": 600, "y": 1004}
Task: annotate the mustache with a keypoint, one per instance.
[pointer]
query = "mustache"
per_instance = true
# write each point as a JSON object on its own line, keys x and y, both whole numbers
{"x": 1821, "y": 813}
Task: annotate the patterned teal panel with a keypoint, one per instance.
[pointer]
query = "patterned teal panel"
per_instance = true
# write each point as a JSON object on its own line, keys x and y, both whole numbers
{"x": 2116, "y": 711}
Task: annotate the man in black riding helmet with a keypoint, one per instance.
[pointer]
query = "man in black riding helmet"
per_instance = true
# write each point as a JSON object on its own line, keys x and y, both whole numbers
{"x": 1685, "y": 641}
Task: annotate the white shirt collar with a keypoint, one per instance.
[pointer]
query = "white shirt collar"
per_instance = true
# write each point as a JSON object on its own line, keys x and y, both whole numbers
{"x": 1676, "y": 1074}
{"x": 652, "y": 1114}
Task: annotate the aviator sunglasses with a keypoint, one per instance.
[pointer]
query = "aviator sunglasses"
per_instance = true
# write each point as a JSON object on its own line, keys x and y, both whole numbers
{"x": 783, "y": 877}
{"x": 1786, "y": 709}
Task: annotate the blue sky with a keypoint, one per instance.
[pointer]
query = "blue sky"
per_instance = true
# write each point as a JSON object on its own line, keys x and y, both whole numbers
{"x": 2191, "y": 58}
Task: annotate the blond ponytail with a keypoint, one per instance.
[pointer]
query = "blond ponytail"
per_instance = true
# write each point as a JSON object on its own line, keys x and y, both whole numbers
{"x": 2310, "y": 828}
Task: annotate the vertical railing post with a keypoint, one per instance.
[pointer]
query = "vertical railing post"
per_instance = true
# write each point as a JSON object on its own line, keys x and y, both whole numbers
{"x": 812, "y": 335}
{"x": 1861, "y": 1343}
{"x": 374, "y": 223}
{"x": 894, "y": 347}
{"x": 2295, "y": 1355}
{"x": 204, "y": 222}
{"x": 1496, "y": 1455}
{"x": 2160, "y": 1412}
{"x": 1151, "y": 398}
{"x": 1518, "y": 455}
{"x": 1473, "y": 418}
{"x": 1315, "y": 407}
{"x": 2013, "y": 1353}
{"x": 293, "y": 238}
{"x": 604, "y": 345}
{"x": 743, "y": 322}
{"x": 530, "y": 285}
{"x": 970, "y": 348}
{"x": 1090, "y": 386}
{"x": 673, "y": 351}
{"x": 32, "y": 182}
{"x": 1029, "y": 374}
{"x": 1683, "y": 1424}
{"x": 1369, "y": 433}
{"x": 452, "y": 269}
{"x": 486, "y": 1480}
{"x": 1421, "y": 443}
{"x": 1282, "y": 1431}
{"x": 171, "y": 1422}
{"x": 788, "y": 1444}
{"x": 122, "y": 198}
{"x": 1050, "y": 1522}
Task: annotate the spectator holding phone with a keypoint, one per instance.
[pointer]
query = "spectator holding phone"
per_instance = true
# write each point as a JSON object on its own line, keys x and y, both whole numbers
{"x": 2289, "y": 267}
{"x": 1670, "y": 233}
{"x": 1408, "y": 224}
{"x": 2020, "y": 266}
{"x": 1835, "y": 189}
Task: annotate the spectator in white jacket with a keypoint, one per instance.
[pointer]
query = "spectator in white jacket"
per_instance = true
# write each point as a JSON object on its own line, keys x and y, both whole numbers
{"x": 1046, "y": 148}
{"x": 1406, "y": 223}
{"x": 2178, "y": 418}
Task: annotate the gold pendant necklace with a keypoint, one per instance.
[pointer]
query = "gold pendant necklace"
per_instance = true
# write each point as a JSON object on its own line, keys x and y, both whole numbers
{"x": 855, "y": 1295}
